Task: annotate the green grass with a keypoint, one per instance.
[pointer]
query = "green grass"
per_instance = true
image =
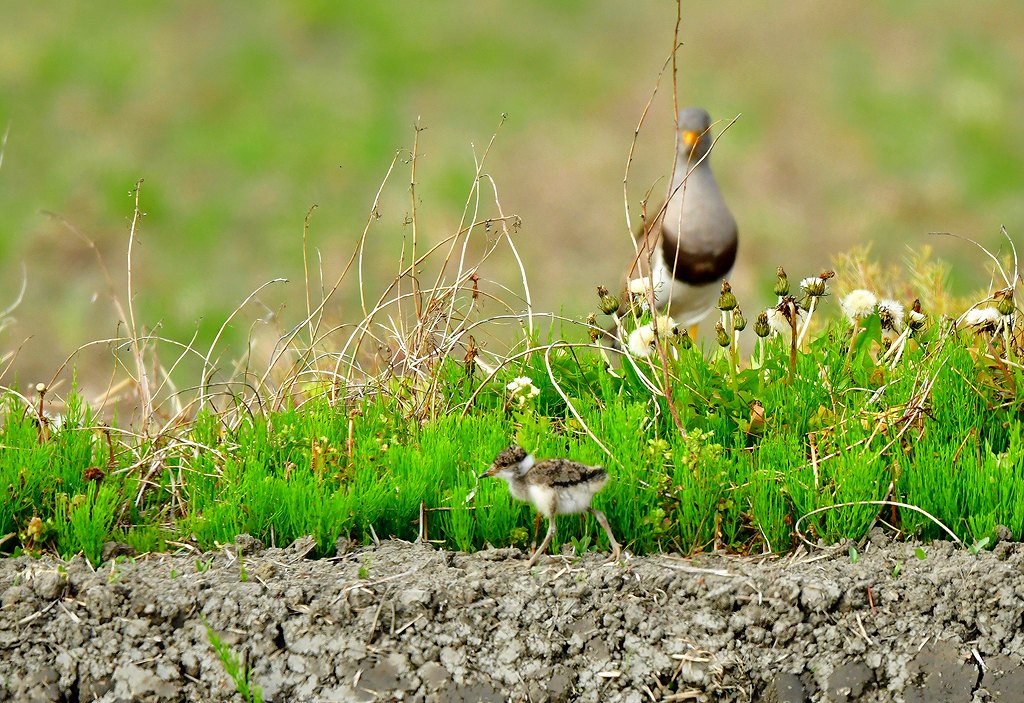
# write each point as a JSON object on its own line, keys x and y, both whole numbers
{"x": 239, "y": 672}
{"x": 939, "y": 430}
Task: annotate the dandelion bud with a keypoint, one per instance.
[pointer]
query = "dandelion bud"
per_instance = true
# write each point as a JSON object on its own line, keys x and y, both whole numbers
{"x": 1005, "y": 304}
{"x": 726, "y": 301}
{"x": 41, "y": 388}
{"x": 720, "y": 335}
{"x": 739, "y": 322}
{"x": 781, "y": 283}
{"x": 684, "y": 340}
{"x": 915, "y": 318}
{"x": 609, "y": 303}
{"x": 761, "y": 327}
{"x": 592, "y": 328}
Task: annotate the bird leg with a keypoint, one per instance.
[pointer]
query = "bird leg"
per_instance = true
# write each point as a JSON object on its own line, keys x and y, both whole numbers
{"x": 536, "y": 531}
{"x": 547, "y": 540}
{"x": 693, "y": 332}
{"x": 616, "y": 550}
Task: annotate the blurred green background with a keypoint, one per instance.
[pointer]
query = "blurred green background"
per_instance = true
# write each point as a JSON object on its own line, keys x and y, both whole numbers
{"x": 861, "y": 122}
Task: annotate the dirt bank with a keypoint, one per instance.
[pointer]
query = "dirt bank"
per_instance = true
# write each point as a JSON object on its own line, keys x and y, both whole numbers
{"x": 407, "y": 622}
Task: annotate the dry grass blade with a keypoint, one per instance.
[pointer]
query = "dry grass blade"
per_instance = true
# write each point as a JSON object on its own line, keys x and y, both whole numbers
{"x": 889, "y": 503}
{"x": 3, "y": 143}
{"x": 145, "y": 394}
{"x": 208, "y": 370}
{"x": 565, "y": 398}
{"x": 411, "y": 327}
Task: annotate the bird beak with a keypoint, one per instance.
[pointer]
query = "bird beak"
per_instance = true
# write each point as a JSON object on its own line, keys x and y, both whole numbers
{"x": 490, "y": 472}
{"x": 690, "y": 137}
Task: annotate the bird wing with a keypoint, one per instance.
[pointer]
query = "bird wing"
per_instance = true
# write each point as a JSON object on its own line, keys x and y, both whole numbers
{"x": 563, "y": 473}
{"x": 694, "y": 232}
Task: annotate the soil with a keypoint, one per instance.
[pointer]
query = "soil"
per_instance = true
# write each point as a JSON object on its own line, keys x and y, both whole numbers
{"x": 408, "y": 622}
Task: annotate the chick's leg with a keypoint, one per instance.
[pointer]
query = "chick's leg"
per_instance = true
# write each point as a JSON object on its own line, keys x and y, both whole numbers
{"x": 616, "y": 550}
{"x": 536, "y": 531}
{"x": 547, "y": 540}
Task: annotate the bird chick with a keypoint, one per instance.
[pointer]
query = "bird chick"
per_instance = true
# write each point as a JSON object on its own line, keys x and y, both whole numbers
{"x": 555, "y": 487}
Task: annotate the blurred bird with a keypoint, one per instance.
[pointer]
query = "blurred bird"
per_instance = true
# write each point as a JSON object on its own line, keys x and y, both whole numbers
{"x": 690, "y": 244}
{"x": 554, "y": 486}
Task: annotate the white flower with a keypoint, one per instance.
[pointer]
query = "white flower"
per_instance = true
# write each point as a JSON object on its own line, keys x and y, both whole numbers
{"x": 641, "y": 341}
{"x": 666, "y": 326}
{"x": 519, "y": 382}
{"x": 780, "y": 324}
{"x": 522, "y": 389}
{"x": 983, "y": 318}
{"x": 813, "y": 286}
{"x": 891, "y": 313}
{"x": 639, "y": 286}
{"x": 640, "y": 292}
{"x": 858, "y": 304}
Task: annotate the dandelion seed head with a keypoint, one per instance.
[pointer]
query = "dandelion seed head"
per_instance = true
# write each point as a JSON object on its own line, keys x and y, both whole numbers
{"x": 666, "y": 326}
{"x": 891, "y": 313}
{"x": 982, "y": 318}
{"x": 858, "y": 304}
{"x": 779, "y": 323}
{"x": 639, "y": 286}
{"x": 641, "y": 341}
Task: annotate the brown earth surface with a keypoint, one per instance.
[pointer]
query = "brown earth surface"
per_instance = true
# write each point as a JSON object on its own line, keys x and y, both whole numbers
{"x": 409, "y": 622}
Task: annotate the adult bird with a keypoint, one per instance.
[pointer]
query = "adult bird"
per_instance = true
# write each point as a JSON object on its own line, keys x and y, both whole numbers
{"x": 689, "y": 246}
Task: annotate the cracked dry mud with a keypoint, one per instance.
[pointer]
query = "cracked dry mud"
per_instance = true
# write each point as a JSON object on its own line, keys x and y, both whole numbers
{"x": 418, "y": 624}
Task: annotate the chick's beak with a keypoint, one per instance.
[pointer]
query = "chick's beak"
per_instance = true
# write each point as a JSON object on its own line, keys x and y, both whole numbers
{"x": 690, "y": 137}
{"x": 490, "y": 472}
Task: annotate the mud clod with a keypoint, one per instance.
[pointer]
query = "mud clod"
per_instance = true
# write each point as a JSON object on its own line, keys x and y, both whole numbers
{"x": 49, "y": 585}
{"x": 406, "y": 622}
{"x": 941, "y": 673}
{"x": 849, "y": 681}
{"x": 785, "y": 688}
